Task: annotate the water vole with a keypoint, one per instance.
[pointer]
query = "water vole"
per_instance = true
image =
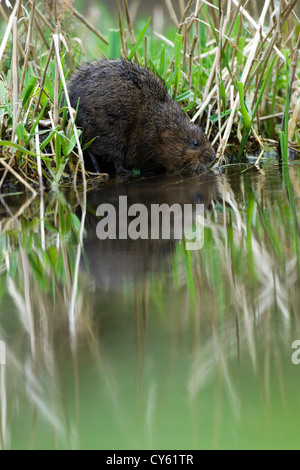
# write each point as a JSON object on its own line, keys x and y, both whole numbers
{"x": 134, "y": 121}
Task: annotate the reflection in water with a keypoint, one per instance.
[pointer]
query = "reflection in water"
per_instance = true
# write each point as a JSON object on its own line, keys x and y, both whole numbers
{"x": 145, "y": 344}
{"x": 114, "y": 261}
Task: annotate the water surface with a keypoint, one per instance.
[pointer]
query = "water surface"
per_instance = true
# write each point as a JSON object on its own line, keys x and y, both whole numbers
{"x": 142, "y": 344}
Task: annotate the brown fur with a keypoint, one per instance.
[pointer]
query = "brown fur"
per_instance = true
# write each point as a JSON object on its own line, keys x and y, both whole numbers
{"x": 135, "y": 122}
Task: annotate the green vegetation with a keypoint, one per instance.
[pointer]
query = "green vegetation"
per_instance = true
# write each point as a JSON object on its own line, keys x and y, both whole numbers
{"x": 233, "y": 71}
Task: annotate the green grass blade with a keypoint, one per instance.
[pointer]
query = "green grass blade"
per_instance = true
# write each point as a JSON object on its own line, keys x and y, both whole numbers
{"x": 260, "y": 95}
{"x": 139, "y": 40}
{"x": 22, "y": 149}
{"x": 177, "y": 61}
{"x": 162, "y": 61}
{"x": 114, "y": 42}
{"x": 28, "y": 90}
{"x": 49, "y": 138}
{"x": 244, "y": 111}
{"x": 239, "y": 54}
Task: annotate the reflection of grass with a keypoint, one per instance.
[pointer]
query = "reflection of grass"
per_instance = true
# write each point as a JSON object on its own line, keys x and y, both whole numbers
{"x": 39, "y": 282}
{"x": 197, "y": 353}
{"x": 47, "y": 244}
{"x": 256, "y": 244}
{"x": 227, "y": 66}
{"x": 249, "y": 273}
{"x": 286, "y": 174}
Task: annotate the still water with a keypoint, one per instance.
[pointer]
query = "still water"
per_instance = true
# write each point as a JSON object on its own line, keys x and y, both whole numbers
{"x": 143, "y": 344}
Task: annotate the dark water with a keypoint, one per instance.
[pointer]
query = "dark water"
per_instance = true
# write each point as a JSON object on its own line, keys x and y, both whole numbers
{"x": 143, "y": 344}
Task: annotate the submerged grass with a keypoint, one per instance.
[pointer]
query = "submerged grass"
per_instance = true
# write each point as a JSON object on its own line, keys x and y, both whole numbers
{"x": 227, "y": 67}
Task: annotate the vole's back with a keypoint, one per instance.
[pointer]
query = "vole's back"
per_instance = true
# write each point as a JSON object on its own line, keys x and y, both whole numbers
{"x": 112, "y": 96}
{"x": 114, "y": 85}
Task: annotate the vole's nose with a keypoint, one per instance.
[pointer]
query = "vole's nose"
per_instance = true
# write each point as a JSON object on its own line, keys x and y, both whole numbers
{"x": 212, "y": 156}
{"x": 209, "y": 156}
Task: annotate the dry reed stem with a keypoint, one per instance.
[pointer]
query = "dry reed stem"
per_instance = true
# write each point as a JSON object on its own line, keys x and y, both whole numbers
{"x": 88, "y": 24}
{"x": 131, "y": 33}
{"x": 207, "y": 120}
{"x": 287, "y": 11}
{"x": 257, "y": 26}
{"x": 16, "y": 175}
{"x": 219, "y": 133}
{"x": 28, "y": 43}
{"x": 42, "y": 208}
{"x": 191, "y": 54}
{"x": 218, "y": 100}
{"x": 123, "y": 46}
{"x": 219, "y": 70}
{"x": 41, "y": 34}
{"x": 172, "y": 13}
{"x": 207, "y": 95}
{"x": 44, "y": 77}
{"x": 293, "y": 68}
{"x": 198, "y": 9}
{"x": 225, "y": 75}
{"x": 233, "y": 20}
{"x": 56, "y": 81}
{"x": 257, "y": 138}
{"x": 8, "y": 29}
{"x": 184, "y": 15}
{"x": 223, "y": 144}
{"x": 38, "y": 158}
{"x": 294, "y": 120}
{"x": 181, "y": 6}
{"x": 247, "y": 68}
{"x": 43, "y": 18}
{"x": 6, "y": 20}
{"x": 264, "y": 58}
{"x": 26, "y": 29}
{"x": 15, "y": 75}
{"x": 256, "y": 164}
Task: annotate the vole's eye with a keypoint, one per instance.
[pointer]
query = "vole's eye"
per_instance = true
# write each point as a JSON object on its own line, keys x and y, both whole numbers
{"x": 196, "y": 143}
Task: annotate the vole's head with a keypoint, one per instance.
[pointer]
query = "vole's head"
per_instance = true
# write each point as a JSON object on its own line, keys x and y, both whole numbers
{"x": 185, "y": 147}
